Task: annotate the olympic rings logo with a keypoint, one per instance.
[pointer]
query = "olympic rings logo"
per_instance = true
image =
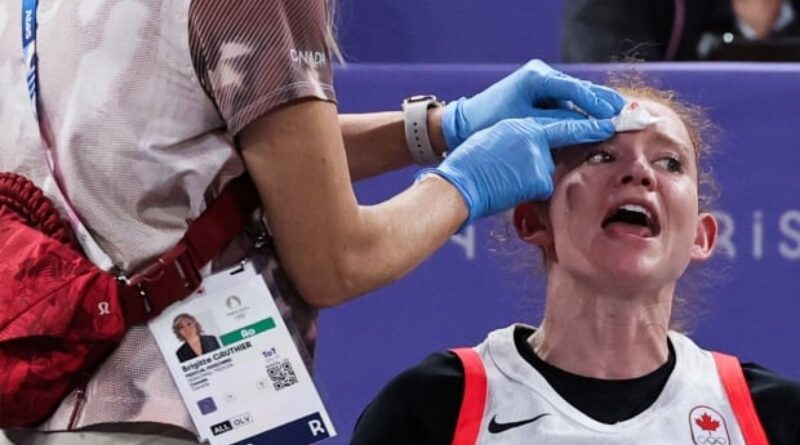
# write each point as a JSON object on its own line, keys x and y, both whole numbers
{"x": 710, "y": 440}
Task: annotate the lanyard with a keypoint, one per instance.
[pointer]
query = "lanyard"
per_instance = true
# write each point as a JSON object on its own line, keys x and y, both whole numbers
{"x": 29, "y": 51}
{"x": 29, "y": 25}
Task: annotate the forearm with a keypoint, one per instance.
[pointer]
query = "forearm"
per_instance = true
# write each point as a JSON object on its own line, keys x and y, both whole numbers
{"x": 397, "y": 235}
{"x": 354, "y": 253}
{"x": 332, "y": 248}
{"x": 375, "y": 143}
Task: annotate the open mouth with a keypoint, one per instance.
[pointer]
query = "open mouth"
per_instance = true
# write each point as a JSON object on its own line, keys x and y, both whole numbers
{"x": 633, "y": 219}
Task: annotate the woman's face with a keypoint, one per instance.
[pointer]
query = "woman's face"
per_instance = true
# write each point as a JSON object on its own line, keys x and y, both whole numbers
{"x": 625, "y": 212}
{"x": 187, "y": 328}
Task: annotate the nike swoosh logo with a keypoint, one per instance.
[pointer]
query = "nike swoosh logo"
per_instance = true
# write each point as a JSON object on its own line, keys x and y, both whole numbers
{"x": 495, "y": 427}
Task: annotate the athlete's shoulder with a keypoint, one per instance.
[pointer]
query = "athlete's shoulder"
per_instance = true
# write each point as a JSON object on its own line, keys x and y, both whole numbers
{"x": 440, "y": 367}
{"x": 765, "y": 383}
{"x": 436, "y": 375}
{"x": 420, "y": 405}
{"x": 777, "y": 401}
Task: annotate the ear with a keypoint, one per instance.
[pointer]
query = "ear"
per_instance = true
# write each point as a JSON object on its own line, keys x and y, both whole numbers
{"x": 530, "y": 225}
{"x": 705, "y": 237}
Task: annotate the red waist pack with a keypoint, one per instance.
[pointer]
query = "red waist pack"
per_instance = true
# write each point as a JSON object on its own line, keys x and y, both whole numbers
{"x": 60, "y": 315}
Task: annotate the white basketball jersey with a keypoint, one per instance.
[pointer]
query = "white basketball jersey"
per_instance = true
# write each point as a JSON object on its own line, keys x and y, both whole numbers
{"x": 692, "y": 409}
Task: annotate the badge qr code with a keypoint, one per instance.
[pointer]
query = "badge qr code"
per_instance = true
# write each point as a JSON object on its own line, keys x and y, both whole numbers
{"x": 281, "y": 374}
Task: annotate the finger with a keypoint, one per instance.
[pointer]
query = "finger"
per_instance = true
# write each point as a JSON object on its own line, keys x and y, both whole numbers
{"x": 578, "y": 92}
{"x": 574, "y": 132}
{"x": 609, "y": 95}
{"x": 556, "y": 114}
{"x": 539, "y": 66}
{"x": 542, "y": 121}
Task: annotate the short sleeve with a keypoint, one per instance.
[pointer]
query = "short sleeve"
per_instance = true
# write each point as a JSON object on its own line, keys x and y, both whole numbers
{"x": 419, "y": 406}
{"x": 777, "y": 402}
{"x": 254, "y": 55}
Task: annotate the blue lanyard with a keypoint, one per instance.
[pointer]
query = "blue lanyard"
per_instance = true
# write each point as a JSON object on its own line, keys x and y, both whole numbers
{"x": 29, "y": 51}
{"x": 90, "y": 246}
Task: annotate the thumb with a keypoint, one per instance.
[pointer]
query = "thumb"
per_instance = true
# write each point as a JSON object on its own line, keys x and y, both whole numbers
{"x": 573, "y": 132}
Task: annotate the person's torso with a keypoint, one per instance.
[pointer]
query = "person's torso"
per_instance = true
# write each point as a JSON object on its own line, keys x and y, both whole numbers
{"x": 691, "y": 409}
{"x": 137, "y": 142}
{"x": 139, "y": 148}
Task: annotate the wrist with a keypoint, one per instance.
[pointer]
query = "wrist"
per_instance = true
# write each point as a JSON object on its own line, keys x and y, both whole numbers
{"x": 436, "y": 131}
{"x": 451, "y": 123}
{"x": 461, "y": 190}
{"x": 416, "y": 117}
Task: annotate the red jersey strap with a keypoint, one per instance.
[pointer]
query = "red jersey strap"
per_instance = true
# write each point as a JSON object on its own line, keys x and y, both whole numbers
{"x": 176, "y": 273}
{"x": 730, "y": 372}
{"x": 474, "y": 401}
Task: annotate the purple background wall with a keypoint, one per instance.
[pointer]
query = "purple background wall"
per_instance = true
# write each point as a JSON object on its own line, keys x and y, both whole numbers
{"x": 464, "y": 291}
{"x": 449, "y": 31}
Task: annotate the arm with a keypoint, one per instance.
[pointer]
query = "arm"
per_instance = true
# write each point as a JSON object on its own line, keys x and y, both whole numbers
{"x": 279, "y": 107}
{"x": 420, "y": 406}
{"x": 777, "y": 402}
{"x": 332, "y": 248}
{"x": 376, "y": 142}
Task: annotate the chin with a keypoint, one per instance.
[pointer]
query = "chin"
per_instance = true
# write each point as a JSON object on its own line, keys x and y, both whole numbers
{"x": 627, "y": 271}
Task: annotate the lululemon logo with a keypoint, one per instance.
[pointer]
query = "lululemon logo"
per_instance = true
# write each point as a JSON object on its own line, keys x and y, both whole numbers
{"x": 104, "y": 308}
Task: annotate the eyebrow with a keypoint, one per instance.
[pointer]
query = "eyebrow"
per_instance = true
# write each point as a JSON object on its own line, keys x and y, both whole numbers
{"x": 665, "y": 138}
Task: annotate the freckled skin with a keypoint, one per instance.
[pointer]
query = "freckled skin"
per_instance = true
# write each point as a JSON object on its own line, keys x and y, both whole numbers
{"x": 589, "y": 179}
{"x": 610, "y": 288}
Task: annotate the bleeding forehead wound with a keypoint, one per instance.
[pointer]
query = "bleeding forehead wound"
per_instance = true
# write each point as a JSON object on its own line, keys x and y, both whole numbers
{"x": 633, "y": 117}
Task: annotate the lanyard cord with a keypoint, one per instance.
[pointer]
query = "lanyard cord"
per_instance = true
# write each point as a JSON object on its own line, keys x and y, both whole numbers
{"x": 29, "y": 25}
{"x": 29, "y": 51}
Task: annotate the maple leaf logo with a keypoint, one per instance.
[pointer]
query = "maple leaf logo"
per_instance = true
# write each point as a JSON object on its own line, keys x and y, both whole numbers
{"x": 707, "y": 423}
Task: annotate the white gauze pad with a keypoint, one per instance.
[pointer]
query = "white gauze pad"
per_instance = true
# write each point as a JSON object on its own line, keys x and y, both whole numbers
{"x": 633, "y": 117}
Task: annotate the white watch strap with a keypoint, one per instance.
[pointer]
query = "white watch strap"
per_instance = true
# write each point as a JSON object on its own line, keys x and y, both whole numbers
{"x": 415, "y": 113}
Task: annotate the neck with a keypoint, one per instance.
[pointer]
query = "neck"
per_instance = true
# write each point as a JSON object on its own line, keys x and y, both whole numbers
{"x": 603, "y": 332}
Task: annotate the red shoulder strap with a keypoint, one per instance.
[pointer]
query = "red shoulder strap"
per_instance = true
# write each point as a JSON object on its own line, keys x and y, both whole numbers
{"x": 474, "y": 401}
{"x": 176, "y": 273}
{"x": 730, "y": 372}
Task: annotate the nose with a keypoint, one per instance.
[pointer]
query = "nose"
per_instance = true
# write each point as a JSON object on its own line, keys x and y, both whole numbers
{"x": 639, "y": 173}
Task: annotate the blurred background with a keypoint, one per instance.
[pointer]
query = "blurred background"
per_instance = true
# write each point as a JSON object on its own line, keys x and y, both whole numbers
{"x": 512, "y": 31}
{"x": 449, "y": 31}
{"x": 713, "y": 52}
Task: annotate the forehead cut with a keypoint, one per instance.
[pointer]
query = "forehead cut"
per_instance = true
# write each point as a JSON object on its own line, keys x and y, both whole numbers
{"x": 693, "y": 117}
{"x": 671, "y": 129}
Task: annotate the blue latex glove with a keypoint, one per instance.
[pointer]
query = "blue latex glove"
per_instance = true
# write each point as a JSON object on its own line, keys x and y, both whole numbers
{"x": 522, "y": 94}
{"x": 510, "y": 163}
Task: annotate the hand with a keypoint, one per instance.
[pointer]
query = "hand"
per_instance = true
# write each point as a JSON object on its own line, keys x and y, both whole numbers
{"x": 510, "y": 162}
{"x": 523, "y": 94}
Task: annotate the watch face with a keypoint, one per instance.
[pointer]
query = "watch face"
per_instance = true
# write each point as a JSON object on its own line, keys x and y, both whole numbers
{"x": 420, "y": 98}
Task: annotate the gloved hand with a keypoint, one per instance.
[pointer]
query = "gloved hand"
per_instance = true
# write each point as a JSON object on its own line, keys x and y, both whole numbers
{"x": 523, "y": 93}
{"x": 510, "y": 163}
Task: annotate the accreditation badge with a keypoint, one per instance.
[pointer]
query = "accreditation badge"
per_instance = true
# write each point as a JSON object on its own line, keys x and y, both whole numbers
{"x": 236, "y": 366}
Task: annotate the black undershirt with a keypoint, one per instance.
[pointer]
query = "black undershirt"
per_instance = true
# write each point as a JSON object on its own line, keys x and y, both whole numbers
{"x": 607, "y": 401}
{"x": 421, "y": 405}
